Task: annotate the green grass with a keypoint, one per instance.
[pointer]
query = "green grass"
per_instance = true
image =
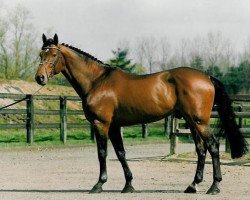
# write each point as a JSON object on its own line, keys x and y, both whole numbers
{"x": 78, "y": 137}
{"x": 10, "y": 138}
{"x": 51, "y": 137}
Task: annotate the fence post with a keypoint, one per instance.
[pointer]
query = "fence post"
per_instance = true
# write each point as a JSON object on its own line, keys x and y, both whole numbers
{"x": 173, "y": 137}
{"x": 144, "y": 131}
{"x": 30, "y": 118}
{"x": 92, "y": 132}
{"x": 167, "y": 125}
{"x": 122, "y": 131}
{"x": 63, "y": 118}
{"x": 227, "y": 146}
{"x": 240, "y": 118}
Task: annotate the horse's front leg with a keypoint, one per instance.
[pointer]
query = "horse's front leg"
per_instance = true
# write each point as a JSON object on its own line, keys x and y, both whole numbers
{"x": 101, "y": 141}
{"x": 116, "y": 139}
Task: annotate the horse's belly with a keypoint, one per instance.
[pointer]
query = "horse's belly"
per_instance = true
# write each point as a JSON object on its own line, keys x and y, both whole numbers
{"x": 132, "y": 115}
{"x": 144, "y": 103}
{"x": 124, "y": 121}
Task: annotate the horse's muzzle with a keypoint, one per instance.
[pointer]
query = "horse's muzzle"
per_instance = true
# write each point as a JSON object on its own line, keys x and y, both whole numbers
{"x": 41, "y": 79}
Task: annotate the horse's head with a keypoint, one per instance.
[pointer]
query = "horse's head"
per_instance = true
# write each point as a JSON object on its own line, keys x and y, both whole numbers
{"x": 51, "y": 60}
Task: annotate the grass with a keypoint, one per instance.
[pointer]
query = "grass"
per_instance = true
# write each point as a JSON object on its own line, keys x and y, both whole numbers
{"x": 43, "y": 139}
{"x": 9, "y": 138}
{"x": 51, "y": 137}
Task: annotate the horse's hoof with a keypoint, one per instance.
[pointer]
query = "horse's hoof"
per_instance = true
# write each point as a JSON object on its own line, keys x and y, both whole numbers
{"x": 128, "y": 189}
{"x": 191, "y": 189}
{"x": 96, "y": 189}
{"x": 213, "y": 190}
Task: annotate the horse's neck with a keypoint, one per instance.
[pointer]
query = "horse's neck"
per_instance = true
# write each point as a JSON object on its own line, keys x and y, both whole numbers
{"x": 81, "y": 72}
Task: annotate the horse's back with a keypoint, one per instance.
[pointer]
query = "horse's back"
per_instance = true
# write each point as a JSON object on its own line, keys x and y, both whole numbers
{"x": 132, "y": 99}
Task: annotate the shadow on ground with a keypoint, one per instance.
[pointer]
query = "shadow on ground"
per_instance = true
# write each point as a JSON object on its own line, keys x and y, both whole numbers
{"x": 193, "y": 161}
{"x": 85, "y": 191}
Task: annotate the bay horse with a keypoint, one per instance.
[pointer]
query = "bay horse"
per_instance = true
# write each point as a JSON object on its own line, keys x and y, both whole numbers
{"x": 112, "y": 98}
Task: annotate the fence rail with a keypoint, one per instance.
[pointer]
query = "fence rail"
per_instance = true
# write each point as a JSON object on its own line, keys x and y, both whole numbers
{"x": 31, "y": 112}
{"x": 171, "y": 125}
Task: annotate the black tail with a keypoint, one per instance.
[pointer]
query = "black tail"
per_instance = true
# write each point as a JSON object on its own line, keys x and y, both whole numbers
{"x": 237, "y": 142}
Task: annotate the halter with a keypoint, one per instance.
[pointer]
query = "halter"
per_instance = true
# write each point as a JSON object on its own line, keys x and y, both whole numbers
{"x": 54, "y": 63}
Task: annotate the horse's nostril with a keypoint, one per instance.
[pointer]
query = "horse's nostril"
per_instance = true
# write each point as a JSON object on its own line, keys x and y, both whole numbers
{"x": 40, "y": 79}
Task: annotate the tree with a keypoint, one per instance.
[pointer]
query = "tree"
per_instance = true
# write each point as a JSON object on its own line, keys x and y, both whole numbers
{"x": 228, "y": 56}
{"x": 232, "y": 80}
{"x": 237, "y": 78}
{"x": 4, "y": 58}
{"x": 146, "y": 52}
{"x": 197, "y": 63}
{"x": 183, "y": 52}
{"x": 213, "y": 48}
{"x": 139, "y": 51}
{"x": 164, "y": 53}
{"x": 18, "y": 46}
{"x": 244, "y": 75}
{"x": 215, "y": 72}
{"x": 120, "y": 60}
{"x": 245, "y": 66}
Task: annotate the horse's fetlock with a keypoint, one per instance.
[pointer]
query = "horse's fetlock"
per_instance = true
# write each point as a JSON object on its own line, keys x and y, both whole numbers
{"x": 129, "y": 176}
{"x": 103, "y": 178}
{"x": 121, "y": 154}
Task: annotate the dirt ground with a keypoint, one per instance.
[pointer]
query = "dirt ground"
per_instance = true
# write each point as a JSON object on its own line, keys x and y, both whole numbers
{"x": 69, "y": 173}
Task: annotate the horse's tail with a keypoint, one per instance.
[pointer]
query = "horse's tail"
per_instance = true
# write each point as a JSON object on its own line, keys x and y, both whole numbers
{"x": 237, "y": 142}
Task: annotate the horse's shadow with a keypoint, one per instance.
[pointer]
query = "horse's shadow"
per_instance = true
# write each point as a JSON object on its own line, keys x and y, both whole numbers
{"x": 84, "y": 191}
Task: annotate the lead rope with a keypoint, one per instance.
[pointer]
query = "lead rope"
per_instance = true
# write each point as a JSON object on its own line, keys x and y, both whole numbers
{"x": 38, "y": 90}
{"x": 20, "y": 100}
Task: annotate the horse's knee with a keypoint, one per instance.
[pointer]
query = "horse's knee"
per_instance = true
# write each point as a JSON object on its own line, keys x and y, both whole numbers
{"x": 204, "y": 131}
{"x": 213, "y": 146}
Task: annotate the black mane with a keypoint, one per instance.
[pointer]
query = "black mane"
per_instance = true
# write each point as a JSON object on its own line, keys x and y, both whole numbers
{"x": 85, "y": 54}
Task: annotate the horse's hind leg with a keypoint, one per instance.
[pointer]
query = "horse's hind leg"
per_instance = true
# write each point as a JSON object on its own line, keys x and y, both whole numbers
{"x": 212, "y": 145}
{"x": 213, "y": 148}
{"x": 116, "y": 139}
{"x": 201, "y": 153}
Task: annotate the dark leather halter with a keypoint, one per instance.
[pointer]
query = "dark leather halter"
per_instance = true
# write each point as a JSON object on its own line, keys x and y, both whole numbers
{"x": 54, "y": 63}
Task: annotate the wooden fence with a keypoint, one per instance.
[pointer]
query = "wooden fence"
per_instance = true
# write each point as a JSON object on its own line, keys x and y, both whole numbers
{"x": 171, "y": 125}
{"x": 30, "y": 113}
{"x": 242, "y": 114}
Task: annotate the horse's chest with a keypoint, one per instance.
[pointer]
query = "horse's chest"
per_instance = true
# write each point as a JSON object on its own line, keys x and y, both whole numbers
{"x": 100, "y": 106}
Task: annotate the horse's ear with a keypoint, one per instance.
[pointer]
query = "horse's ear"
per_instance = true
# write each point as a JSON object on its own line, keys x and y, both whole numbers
{"x": 44, "y": 39}
{"x": 56, "y": 39}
